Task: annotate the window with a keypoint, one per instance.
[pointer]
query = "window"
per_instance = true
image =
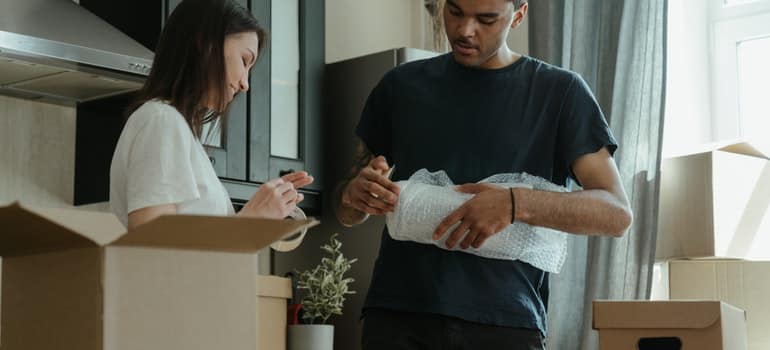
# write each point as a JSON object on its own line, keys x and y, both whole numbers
{"x": 718, "y": 66}
{"x": 753, "y": 58}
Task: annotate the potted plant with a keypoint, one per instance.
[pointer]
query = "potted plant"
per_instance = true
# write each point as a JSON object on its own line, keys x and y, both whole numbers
{"x": 325, "y": 288}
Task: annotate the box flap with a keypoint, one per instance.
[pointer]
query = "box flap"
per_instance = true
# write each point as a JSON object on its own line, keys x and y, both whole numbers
{"x": 744, "y": 148}
{"x": 680, "y": 314}
{"x": 706, "y": 258}
{"x": 274, "y": 287}
{"x": 28, "y": 229}
{"x": 211, "y": 233}
{"x": 737, "y": 146}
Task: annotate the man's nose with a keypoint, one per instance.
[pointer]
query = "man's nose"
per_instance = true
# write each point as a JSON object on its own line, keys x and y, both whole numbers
{"x": 467, "y": 27}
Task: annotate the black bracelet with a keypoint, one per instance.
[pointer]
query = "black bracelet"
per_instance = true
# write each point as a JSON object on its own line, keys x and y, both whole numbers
{"x": 513, "y": 207}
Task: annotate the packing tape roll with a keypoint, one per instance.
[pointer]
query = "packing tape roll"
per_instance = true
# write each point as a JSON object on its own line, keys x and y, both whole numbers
{"x": 293, "y": 241}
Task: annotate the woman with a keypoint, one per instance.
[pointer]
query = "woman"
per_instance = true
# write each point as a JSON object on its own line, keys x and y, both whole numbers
{"x": 202, "y": 61}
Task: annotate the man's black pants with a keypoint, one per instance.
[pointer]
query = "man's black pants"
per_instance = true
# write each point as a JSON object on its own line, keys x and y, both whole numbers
{"x": 395, "y": 330}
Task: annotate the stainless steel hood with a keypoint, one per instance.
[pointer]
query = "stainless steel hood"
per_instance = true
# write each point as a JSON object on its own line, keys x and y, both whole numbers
{"x": 57, "y": 51}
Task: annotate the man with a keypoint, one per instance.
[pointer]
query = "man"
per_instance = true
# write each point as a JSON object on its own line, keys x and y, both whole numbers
{"x": 480, "y": 110}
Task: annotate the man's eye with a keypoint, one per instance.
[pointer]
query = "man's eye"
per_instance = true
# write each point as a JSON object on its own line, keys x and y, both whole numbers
{"x": 487, "y": 21}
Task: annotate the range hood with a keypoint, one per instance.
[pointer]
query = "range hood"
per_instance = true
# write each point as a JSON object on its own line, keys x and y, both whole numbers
{"x": 57, "y": 51}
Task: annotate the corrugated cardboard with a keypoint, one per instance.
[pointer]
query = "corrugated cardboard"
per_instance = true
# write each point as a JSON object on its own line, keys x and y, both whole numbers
{"x": 273, "y": 294}
{"x": 744, "y": 284}
{"x": 75, "y": 280}
{"x": 696, "y": 325}
{"x": 715, "y": 204}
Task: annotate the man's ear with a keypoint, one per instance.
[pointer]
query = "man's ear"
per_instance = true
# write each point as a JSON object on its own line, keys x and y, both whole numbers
{"x": 519, "y": 15}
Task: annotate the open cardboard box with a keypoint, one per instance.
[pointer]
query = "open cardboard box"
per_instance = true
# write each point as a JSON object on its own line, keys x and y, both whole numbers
{"x": 669, "y": 325}
{"x": 715, "y": 203}
{"x": 74, "y": 279}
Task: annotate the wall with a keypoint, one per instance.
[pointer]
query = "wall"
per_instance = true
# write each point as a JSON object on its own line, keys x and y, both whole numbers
{"x": 37, "y": 157}
{"x": 518, "y": 39}
{"x": 37, "y": 153}
{"x": 358, "y": 27}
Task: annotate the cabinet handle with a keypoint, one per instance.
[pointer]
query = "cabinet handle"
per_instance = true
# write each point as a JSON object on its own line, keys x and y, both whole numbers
{"x": 285, "y": 172}
{"x": 213, "y": 160}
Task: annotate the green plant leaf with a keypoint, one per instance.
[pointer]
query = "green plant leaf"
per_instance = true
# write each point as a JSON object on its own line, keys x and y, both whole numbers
{"x": 325, "y": 284}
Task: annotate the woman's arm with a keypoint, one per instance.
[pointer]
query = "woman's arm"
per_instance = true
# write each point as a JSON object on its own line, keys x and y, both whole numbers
{"x": 274, "y": 199}
{"x": 144, "y": 215}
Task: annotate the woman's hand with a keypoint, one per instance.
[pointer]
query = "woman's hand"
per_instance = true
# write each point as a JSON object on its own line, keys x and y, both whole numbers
{"x": 277, "y": 198}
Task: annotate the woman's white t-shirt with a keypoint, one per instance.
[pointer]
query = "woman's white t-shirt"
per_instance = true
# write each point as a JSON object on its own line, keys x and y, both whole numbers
{"x": 159, "y": 161}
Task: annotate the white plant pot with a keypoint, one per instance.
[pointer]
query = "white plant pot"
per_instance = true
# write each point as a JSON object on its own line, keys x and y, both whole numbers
{"x": 311, "y": 337}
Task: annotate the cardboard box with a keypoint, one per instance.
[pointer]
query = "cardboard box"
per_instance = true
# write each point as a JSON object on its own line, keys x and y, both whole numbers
{"x": 715, "y": 204}
{"x": 744, "y": 284}
{"x": 663, "y": 325}
{"x": 273, "y": 293}
{"x": 74, "y": 280}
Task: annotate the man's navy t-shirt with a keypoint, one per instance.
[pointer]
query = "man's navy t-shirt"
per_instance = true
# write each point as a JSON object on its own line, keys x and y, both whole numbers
{"x": 472, "y": 123}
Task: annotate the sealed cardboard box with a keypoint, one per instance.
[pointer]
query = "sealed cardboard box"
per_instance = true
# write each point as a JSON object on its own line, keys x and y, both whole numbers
{"x": 741, "y": 283}
{"x": 715, "y": 203}
{"x": 75, "y": 280}
{"x": 273, "y": 293}
{"x": 669, "y": 325}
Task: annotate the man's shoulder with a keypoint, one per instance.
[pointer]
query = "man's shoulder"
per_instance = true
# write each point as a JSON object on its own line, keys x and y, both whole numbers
{"x": 547, "y": 72}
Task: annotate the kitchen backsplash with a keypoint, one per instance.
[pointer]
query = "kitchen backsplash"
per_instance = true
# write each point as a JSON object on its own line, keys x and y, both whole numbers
{"x": 37, "y": 153}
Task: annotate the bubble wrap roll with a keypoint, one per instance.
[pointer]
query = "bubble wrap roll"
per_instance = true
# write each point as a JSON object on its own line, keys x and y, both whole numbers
{"x": 427, "y": 198}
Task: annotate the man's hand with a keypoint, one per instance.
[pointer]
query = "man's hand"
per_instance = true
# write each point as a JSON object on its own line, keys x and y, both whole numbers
{"x": 371, "y": 191}
{"x": 484, "y": 215}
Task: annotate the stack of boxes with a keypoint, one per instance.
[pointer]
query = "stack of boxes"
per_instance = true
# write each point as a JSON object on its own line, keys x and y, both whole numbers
{"x": 714, "y": 233}
{"x": 710, "y": 282}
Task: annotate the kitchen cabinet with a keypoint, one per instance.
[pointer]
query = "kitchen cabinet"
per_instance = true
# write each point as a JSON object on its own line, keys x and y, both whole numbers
{"x": 275, "y": 127}
{"x": 273, "y": 121}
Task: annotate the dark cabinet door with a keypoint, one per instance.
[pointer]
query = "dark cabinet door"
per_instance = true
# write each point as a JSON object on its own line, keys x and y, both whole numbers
{"x": 259, "y": 108}
{"x": 312, "y": 63}
{"x": 269, "y": 96}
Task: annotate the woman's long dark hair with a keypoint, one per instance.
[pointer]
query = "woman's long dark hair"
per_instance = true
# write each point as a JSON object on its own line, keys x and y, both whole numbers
{"x": 189, "y": 67}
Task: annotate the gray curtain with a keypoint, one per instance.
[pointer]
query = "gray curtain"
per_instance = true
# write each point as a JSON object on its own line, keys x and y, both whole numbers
{"x": 618, "y": 46}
